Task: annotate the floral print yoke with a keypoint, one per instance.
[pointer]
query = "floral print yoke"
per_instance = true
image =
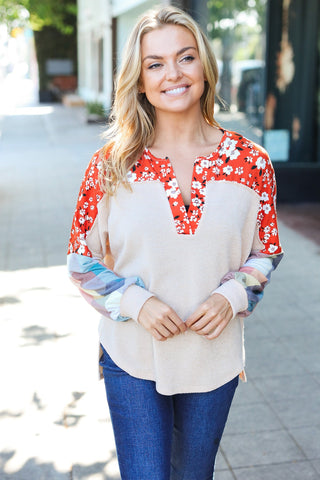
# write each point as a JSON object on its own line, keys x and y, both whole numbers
{"x": 236, "y": 160}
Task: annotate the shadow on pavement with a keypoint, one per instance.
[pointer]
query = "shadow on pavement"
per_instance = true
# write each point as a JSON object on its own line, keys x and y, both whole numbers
{"x": 36, "y": 335}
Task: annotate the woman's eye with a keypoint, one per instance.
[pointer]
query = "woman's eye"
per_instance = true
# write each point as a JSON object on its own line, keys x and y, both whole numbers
{"x": 154, "y": 65}
{"x": 188, "y": 58}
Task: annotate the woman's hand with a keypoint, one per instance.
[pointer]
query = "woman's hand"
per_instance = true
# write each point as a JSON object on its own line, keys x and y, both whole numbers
{"x": 211, "y": 317}
{"x": 160, "y": 320}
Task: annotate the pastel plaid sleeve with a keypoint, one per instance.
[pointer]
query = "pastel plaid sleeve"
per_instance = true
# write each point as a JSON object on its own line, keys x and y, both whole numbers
{"x": 256, "y": 272}
{"x": 253, "y": 276}
{"x": 99, "y": 285}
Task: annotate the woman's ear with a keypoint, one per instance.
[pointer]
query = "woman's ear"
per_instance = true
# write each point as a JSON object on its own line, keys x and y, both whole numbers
{"x": 141, "y": 88}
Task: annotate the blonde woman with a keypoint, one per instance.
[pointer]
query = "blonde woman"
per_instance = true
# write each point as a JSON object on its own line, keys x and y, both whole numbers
{"x": 173, "y": 240}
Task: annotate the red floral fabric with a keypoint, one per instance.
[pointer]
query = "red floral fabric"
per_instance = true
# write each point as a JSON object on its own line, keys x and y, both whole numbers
{"x": 87, "y": 208}
{"x": 236, "y": 159}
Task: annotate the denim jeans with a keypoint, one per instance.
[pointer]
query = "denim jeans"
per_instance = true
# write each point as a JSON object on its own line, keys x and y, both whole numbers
{"x": 160, "y": 437}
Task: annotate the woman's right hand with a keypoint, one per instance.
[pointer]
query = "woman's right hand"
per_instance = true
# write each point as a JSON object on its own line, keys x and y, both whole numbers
{"x": 160, "y": 319}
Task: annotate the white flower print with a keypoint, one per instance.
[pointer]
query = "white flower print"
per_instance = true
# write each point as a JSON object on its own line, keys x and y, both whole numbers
{"x": 173, "y": 193}
{"x": 239, "y": 170}
{"x": 267, "y": 229}
{"x": 274, "y": 232}
{"x": 216, "y": 170}
{"x": 264, "y": 197}
{"x": 196, "y": 202}
{"x": 131, "y": 176}
{"x": 196, "y": 185}
{"x": 266, "y": 208}
{"x": 272, "y": 248}
{"x": 235, "y": 154}
{"x": 261, "y": 163}
{"x": 205, "y": 163}
{"x": 173, "y": 183}
{"x": 174, "y": 188}
{"x": 81, "y": 220}
{"x": 266, "y": 237}
{"x": 199, "y": 169}
{"x": 228, "y": 147}
{"x": 227, "y": 170}
{"x": 81, "y": 249}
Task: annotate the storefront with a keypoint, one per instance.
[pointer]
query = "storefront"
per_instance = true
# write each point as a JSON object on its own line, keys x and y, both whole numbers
{"x": 268, "y": 58}
{"x": 292, "y": 105}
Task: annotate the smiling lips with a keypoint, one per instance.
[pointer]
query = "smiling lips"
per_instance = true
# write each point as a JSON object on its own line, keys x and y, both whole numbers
{"x": 177, "y": 90}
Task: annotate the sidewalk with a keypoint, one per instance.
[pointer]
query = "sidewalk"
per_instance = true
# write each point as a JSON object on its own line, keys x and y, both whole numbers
{"x": 54, "y": 422}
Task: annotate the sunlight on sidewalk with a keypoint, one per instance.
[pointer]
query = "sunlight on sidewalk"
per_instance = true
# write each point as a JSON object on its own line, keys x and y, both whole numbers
{"x": 53, "y": 403}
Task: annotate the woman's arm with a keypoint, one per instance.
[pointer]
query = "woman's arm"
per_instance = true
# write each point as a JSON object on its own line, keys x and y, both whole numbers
{"x": 253, "y": 277}
{"x": 99, "y": 285}
{"x": 240, "y": 291}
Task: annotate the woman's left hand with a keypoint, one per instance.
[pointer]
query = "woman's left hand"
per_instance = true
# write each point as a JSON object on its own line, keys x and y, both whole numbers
{"x": 211, "y": 317}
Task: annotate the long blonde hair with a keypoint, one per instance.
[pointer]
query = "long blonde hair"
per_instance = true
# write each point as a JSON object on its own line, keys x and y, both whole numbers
{"x": 132, "y": 119}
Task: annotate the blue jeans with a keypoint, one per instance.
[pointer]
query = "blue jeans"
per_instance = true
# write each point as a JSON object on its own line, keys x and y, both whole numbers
{"x": 160, "y": 437}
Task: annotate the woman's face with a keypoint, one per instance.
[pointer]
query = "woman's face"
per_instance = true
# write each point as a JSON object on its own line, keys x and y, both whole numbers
{"x": 172, "y": 75}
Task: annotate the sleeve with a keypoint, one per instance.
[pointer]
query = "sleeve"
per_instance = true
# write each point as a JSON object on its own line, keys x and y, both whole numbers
{"x": 111, "y": 295}
{"x": 244, "y": 288}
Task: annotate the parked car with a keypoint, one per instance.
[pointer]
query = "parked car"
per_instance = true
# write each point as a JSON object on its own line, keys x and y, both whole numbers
{"x": 250, "y": 96}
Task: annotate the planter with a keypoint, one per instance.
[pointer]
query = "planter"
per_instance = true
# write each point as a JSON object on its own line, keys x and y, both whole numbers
{"x": 95, "y": 118}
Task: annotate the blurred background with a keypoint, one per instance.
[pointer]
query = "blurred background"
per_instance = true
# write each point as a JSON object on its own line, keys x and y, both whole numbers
{"x": 58, "y": 60}
{"x": 267, "y": 51}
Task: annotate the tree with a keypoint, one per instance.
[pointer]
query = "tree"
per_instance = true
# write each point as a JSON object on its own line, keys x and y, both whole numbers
{"x": 224, "y": 17}
{"x": 39, "y": 13}
{"x": 54, "y": 26}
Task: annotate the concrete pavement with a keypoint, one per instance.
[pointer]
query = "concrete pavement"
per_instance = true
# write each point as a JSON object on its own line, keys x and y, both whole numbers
{"x": 54, "y": 422}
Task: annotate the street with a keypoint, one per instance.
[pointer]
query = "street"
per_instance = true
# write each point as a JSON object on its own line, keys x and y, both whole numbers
{"x": 54, "y": 420}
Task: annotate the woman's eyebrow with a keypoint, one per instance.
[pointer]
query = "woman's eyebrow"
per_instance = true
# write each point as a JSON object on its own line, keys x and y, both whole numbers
{"x": 158, "y": 57}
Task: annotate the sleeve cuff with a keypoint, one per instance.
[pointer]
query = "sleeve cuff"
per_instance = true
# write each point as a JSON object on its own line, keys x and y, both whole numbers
{"x": 133, "y": 300}
{"x": 236, "y": 295}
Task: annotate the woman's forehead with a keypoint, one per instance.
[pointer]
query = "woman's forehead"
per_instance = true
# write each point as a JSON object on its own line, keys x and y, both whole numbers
{"x": 167, "y": 38}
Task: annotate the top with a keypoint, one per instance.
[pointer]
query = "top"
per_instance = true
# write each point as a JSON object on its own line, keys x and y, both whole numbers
{"x": 142, "y": 242}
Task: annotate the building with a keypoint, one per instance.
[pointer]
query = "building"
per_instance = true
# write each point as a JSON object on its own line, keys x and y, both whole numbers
{"x": 280, "y": 92}
{"x": 103, "y": 26}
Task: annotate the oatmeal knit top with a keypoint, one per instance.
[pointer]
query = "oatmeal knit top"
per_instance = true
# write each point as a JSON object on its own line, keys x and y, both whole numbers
{"x": 143, "y": 242}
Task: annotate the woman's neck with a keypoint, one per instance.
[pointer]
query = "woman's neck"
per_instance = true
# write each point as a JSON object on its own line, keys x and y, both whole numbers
{"x": 173, "y": 130}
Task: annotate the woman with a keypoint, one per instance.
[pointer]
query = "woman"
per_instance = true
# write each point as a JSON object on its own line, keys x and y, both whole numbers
{"x": 173, "y": 240}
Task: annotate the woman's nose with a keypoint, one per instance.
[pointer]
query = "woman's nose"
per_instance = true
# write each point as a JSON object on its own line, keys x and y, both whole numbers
{"x": 173, "y": 71}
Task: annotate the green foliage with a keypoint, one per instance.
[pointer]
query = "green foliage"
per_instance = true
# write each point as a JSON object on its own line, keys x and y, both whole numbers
{"x": 96, "y": 108}
{"x": 42, "y": 13}
{"x": 13, "y": 14}
{"x": 229, "y": 10}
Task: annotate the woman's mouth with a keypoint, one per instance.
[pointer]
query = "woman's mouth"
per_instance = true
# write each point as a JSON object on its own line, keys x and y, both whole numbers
{"x": 176, "y": 90}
